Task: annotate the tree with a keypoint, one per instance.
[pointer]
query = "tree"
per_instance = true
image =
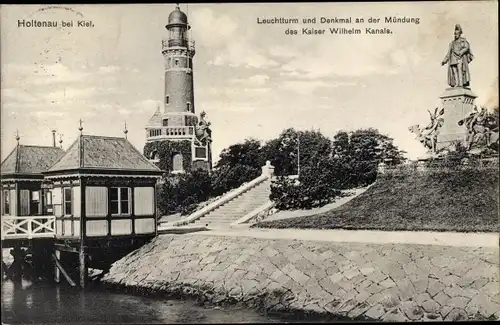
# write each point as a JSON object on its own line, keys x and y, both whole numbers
{"x": 239, "y": 163}
{"x": 359, "y": 153}
{"x": 284, "y": 154}
{"x": 371, "y": 145}
{"x": 247, "y": 153}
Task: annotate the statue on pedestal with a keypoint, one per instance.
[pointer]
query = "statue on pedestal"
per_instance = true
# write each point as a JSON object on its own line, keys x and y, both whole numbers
{"x": 428, "y": 135}
{"x": 458, "y": 58}
{"x": 202, "y": 130}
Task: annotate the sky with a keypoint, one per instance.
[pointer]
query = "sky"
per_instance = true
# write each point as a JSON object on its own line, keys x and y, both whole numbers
{"x": 251, "y": 79}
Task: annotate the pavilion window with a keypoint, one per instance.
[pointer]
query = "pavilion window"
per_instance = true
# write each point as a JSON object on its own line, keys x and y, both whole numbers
{"x": 48, "y": 197}
{"x": 6, "y": 202}
{"x": 67, "y": 201}
{"x": 120, "y": 200}
{"x": 35, "y": 203}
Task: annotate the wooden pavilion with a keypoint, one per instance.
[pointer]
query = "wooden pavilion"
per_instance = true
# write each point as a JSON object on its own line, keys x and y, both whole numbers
{"x": 104, "y": 200}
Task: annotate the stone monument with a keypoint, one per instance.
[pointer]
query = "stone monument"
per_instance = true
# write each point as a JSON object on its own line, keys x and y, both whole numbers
{"x": 446, "y": 126}
{"x": 457, "y": 100}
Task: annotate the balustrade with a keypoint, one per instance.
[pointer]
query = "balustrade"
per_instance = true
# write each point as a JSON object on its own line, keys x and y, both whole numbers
{"x": 171, "y": 131}
{"x": 28, "y": 227}
{"x": 190, "y": 44}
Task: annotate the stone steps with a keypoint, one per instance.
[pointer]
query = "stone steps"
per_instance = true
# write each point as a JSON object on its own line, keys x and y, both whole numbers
{"x": 237, "y": 207}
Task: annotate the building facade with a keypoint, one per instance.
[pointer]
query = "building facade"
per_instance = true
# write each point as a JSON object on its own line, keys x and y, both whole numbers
{"x": 24, "y": 190}
{"x": 177, "y": 139}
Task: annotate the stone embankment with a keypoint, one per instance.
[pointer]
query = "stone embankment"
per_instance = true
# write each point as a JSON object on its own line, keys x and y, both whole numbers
{"x": 390, "y": 282}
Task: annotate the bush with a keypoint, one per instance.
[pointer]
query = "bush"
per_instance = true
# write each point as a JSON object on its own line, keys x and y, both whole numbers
{"x": 227, "y": 178}
{"x": 182, "y": 193}
{"x": 316, "y": 186}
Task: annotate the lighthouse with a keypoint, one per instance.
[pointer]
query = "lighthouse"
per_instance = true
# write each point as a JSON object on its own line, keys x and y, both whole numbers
{"x": 177, "y": 139}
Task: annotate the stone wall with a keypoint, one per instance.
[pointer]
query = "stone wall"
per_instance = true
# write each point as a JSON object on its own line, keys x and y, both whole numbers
{"x": 438, "y": 165}
{"x": 341, "y": 280}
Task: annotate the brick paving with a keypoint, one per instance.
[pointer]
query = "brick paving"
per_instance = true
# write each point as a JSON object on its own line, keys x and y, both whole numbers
{"x": 390, "y": 282}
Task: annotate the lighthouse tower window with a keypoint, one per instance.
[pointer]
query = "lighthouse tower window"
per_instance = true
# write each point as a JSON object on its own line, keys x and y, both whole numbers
{"x": 176, "y": 62}
{"x": 177, "y": 164}
{"x": 167, "y": 100}
{"x": 188, "y": 108}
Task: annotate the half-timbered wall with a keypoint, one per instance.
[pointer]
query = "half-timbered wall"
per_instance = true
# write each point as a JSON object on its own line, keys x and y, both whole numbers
{"x": 96, "y": 201}
{"x": 144, "y": 201}
{"x": 66, "y": 201}
{"x": 24, "y": 200}
{"x": 119, "y": 207}
{"x": 144, "y": 205}
{"x": 96, "y": 206}
{"x": 110, "y": 207}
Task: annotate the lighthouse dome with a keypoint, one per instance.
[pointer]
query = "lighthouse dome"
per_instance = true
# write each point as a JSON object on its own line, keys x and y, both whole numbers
{"x": 177, "y": 17}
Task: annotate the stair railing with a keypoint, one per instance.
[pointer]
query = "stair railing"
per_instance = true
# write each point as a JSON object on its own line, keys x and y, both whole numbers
{"x": 267, "y": 173}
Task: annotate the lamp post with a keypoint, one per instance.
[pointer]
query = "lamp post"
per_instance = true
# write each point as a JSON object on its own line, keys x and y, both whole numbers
{"x": 298, "y": 154}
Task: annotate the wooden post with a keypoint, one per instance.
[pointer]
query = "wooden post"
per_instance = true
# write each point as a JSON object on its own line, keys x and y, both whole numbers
{"x": 57, "y": 274}
{"x": 17, "y": 204}
{"x": 83, "y": 234}
{"x": 41, "y": 202}
{"x": 17, "y": 265}
{"x": 59, "y": 267}
{"x": 83, "y": 267}
{"x": 4, "y": 267}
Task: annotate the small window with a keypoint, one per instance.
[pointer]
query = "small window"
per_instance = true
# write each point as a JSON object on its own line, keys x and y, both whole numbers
{"x": 176, "y": 62}
{"x": 188, "y": 106}
{"x": 48, "y": 198}
{"x": 200, "y": 152}
{"x": 6, "y": 202}
{"x": 35, "y": 203}
{"x": 167, "y": 100}
{"x": 165, "y": 122}
{"x": 67, "y": 199}
{"x": 177, "y": 164}
{"x": 120, "y": 200}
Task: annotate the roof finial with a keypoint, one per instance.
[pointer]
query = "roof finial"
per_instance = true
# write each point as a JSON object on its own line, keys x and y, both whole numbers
{"x": 60, "y": 140}
{"x": 177, "y": 6}
{"x": 54, "y": 137}
{"x": 125, "y": 130}
{"x": 80, "y": 128}
{"x": 17, "y": 137}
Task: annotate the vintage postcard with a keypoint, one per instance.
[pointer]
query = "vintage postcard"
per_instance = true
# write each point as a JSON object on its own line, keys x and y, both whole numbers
{"x": 249, "y": 162}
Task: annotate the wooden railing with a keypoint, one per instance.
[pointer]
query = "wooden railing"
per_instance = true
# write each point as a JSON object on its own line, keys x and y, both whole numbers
{"x": 28, "y": 227}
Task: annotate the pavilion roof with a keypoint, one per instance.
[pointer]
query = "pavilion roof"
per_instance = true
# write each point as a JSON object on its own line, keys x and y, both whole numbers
{"x": 103, "y": 153}
{"x": 30, "y": 159}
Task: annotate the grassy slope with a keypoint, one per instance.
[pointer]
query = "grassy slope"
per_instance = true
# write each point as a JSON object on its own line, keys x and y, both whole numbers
{"x": 463, "y": 200}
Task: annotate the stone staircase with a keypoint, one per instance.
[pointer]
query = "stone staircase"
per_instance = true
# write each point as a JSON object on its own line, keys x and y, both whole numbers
{"x": 237, "y": 207}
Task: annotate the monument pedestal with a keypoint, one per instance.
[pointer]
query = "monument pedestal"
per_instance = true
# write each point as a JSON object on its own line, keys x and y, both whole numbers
{"x": 457, "y": 103}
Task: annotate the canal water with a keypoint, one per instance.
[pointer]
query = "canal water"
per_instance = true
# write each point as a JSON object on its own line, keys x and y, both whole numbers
{"x": 46, "y": 303}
